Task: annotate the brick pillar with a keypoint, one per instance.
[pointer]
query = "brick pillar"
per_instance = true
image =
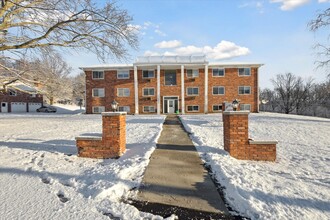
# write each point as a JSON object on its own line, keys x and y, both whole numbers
{"x": 236, "y": 133}
{"x": 114, "y": 133}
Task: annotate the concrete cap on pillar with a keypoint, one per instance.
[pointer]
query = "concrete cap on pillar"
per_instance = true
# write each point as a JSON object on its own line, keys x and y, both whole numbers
{"x": 236, "y": 112}
{"x": 113, "y": 113}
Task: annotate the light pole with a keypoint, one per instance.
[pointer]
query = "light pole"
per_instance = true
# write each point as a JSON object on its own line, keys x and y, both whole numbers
{"x": 114, "y": 105}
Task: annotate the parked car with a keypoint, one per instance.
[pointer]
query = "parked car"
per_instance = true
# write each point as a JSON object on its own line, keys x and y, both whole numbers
{"x": 46, "y": 109}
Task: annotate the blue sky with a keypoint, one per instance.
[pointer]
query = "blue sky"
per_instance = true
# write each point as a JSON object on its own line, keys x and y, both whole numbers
{"x": 272, "y": 32}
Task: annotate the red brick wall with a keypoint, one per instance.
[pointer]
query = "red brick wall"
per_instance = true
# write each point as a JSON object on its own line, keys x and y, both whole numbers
{"x": 237, "y": 143}
{"x": 110, "y": 83}
{"x": 231, "y": 81}
{"x": 20, "y": 97}
{"x": 147, "y": 83}
{"x": 174, "y": 90}
{"x": 195, "y": 82}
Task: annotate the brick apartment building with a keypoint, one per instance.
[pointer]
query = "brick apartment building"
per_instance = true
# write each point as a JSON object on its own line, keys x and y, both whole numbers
{"x": 170, "y": 84}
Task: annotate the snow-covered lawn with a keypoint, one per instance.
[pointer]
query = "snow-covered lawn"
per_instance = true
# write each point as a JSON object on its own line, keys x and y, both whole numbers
{"x": 296, "y": 186}
{"x": 42, "y": 178}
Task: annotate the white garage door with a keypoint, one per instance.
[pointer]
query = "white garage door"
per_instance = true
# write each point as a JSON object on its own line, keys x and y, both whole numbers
{"x": 34, "y": 106}
{"x": 18, "y": 107}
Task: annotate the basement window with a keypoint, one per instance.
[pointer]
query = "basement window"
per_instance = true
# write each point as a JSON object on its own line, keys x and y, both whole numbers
{"x": 149, "y": 109}
{"x": 192, "y": 108}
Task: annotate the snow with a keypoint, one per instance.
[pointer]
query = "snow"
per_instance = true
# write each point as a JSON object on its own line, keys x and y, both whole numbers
{"x": 296, "y": 186}
{"x": 41, "y": 176}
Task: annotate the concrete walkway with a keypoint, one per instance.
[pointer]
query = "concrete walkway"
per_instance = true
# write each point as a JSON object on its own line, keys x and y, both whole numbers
{"x": 175, "y": 180}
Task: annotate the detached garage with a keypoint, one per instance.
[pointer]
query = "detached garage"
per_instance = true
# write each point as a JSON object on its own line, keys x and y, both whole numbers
{"x": 34, "y": 106}
{"x": 18, "y": 107}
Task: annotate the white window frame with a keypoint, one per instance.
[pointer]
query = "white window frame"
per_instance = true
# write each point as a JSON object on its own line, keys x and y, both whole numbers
{"x": 119, "y": 72}
{"x": 244, "y": 90}
{"x": 218, "y": 106}
{"x": 224, "y": 90}
{"x": 129, "y": 92}
{"x": 192, "y": 106}
{"x": 98, "y": 112}
{"x": 148, "y": 88}
{"x": 98, "y": 72}
{"x": 176, "y": 80}
{"x": 124, "y": 109}
{"x": 149, "y": 106}
{"x": 98, "y": 92}
{"x": 243, "y": 107}
{"x": 244, "y": 71}
{"x": 224, "y": 72}
{"x": 12, "y": 92}
{"x": 153, "y": 71}
{"x": 192, "y": 73}
{"x": 187, "y": 89}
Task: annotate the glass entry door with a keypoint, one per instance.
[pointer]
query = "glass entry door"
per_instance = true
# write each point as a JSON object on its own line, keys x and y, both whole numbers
{"x": 171, "y": 107}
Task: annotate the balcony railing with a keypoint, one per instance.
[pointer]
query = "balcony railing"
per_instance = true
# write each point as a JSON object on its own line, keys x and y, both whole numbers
{"x": 171, "y": 60}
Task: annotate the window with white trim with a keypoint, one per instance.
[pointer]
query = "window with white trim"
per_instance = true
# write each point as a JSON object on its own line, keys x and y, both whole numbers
{"x": 149, "y": 109}
{"x": 123, "y": 92}
{"x": 218, "y": 72}
{"x": 193, "y": 108}
{"x": 99, "y": 92}
{"x": 244, "y": 72}
{"x": 12, "y": 92}
{"x": 148, "y": 74}
{"x": 124, "y": 109}
{"x": 218, "y": 90}
{"x": 170, "y": 77}
{"x": 192, "y": 73}
{"x": 217, "y": 108}
{"x": 98, "y": 75}
{"x": 122, "y": 74}
{"x": 244, "y": 90}
{"x": 192, "y": 91}
{"x": 245, "y": 107}
{"x": 98, "y": 109}
{"x": 148, "y": 92}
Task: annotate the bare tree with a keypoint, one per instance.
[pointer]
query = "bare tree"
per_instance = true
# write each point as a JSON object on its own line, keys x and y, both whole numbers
{"x": 291, "y": 91}
{"x": 78, "y": 84}
{"x": 79, "y": 24}
{"x": 322, "y": 21}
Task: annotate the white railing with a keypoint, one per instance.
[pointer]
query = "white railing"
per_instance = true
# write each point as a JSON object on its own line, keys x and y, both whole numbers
{"x": 170, "y": 59}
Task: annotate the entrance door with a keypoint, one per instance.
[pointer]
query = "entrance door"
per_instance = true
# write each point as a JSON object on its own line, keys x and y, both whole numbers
{"x": 4, "y": 106}
{"x": 171, "y": 106}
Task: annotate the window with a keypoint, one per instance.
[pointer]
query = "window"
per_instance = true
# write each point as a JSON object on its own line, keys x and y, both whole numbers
{"x": 98, "y": 109}
{"x": 217, "y": 108}
{"x": 124, "y": 109}
{"x": 149, "y": 109}
{"x": 98, "y": 75}
{"x": 33, "y": 95}
{"x": 192, "y": 73}
{"x": 192, "y": 91}
{"x": 122, "y": 74}
{"x": 245, "y": 107}
{"x": 123, "y": 92}
{"x": 218, "y": 72}
{"x": 243, "y": 90}
{"x": 148, "y": 73}
{"x": 170, "y": 77}
{"x": 12, "y": 92}
{"x": 98, "y": 92}
{"x": 148, "y": 92}
{"x": 244, "y": 72}
{"x": 193, "y": 108}
{"x": 218, "y": 90}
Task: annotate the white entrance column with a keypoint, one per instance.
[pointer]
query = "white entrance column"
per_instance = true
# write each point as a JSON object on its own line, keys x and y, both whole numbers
{"x": 158, "y": 89}
{"x": 136, "y": 91}
{"x": 206, "y": 88}
{"x": 182, "y": 89}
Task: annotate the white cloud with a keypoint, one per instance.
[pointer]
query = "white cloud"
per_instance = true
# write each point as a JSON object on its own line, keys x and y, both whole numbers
{"x": 254, "y": 4}
{"x": 290, "y": 4}
{"x": 160, "y": 33}
{"x": 168, "y": 44}
{"x": 223, "y": 50}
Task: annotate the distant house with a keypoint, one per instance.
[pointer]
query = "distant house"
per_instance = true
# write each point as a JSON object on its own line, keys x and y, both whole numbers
{"x": 170, "y": 84}
{"x": 16, "y": 96}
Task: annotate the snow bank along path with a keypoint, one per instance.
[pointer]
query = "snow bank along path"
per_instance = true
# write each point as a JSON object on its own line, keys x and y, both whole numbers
{"x": 42, "y": 178}
{"x": 296, "y": 186}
